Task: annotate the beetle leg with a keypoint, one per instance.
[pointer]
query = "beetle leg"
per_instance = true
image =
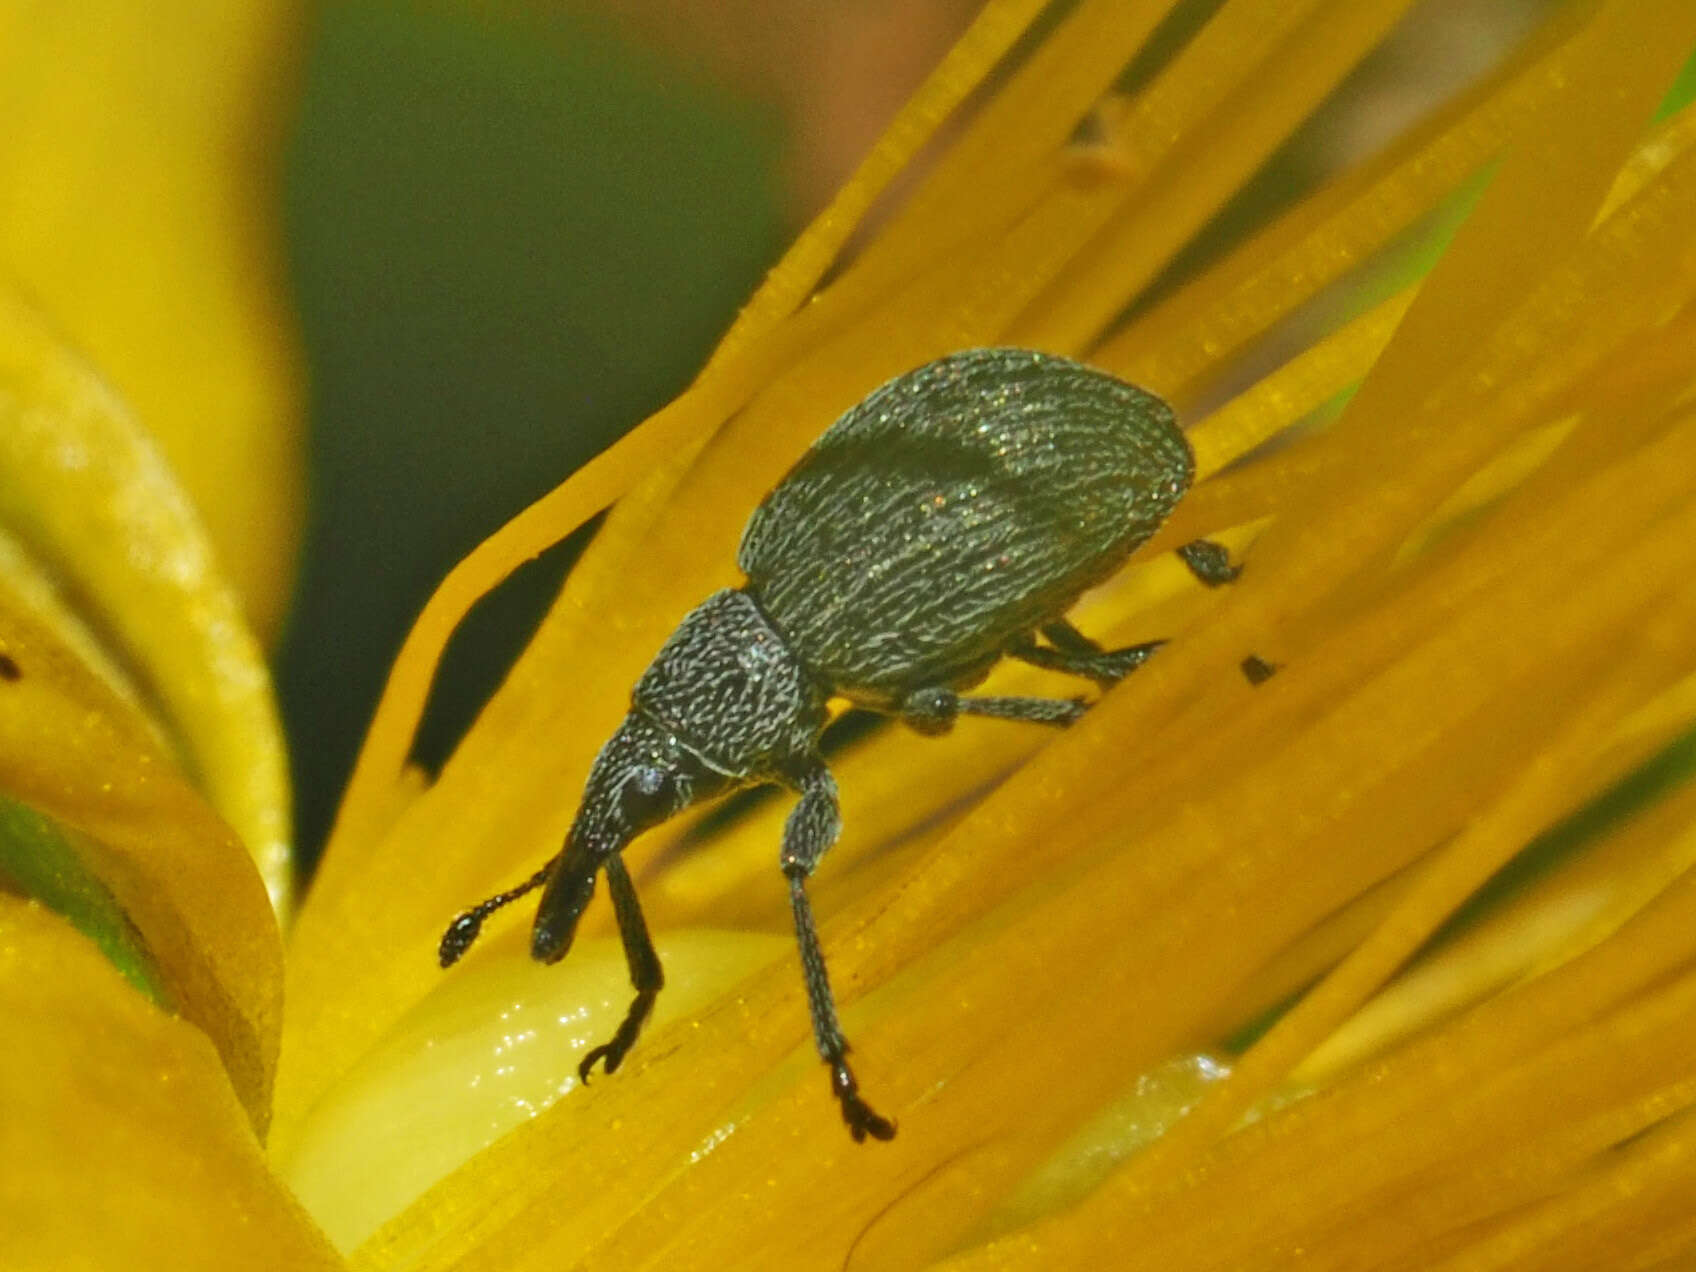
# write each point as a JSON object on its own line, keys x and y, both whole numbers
{"x": 1209, "y": 561}
{"x": 1063, "y": 636}
{"x": 646, "y": 974}
{"x": 1077, "y": 655}
{"x": 933, "y": 711}
{"x": 810, "y": 831}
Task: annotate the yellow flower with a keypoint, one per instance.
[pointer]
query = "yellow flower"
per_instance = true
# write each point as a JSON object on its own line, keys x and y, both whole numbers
{"x": 137, "y": 283}
{"x": 1228, "y": 975}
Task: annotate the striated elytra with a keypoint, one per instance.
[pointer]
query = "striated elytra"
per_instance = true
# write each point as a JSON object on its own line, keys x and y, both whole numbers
{"x": 948, "y": 520}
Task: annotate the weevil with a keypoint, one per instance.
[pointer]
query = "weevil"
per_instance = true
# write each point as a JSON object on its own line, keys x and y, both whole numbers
{"x": 946, "y": 521}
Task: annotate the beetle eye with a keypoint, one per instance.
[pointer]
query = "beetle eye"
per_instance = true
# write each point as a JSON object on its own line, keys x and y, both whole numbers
{"x": 645, "y": 796}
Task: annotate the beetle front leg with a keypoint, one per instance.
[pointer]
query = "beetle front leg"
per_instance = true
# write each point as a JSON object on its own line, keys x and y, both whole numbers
{"x": 810, "y": 831}
{"x": 647, "y": 977}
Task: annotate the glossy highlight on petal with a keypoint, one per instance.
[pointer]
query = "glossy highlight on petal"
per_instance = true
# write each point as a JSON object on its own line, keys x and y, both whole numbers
{"x": 454, "y": 1077}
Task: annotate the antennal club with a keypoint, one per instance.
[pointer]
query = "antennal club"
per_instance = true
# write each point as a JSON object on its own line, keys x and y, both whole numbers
{"x": 463, "y": 930}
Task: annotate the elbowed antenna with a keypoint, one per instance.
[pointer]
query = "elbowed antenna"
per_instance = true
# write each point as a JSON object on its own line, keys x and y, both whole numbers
{"x": 463, "y": 930}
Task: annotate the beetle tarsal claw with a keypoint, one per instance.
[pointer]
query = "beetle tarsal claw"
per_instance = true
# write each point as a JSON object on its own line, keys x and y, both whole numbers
{"x": 609, "y": 1055}
{"x": 862, "y": 1119}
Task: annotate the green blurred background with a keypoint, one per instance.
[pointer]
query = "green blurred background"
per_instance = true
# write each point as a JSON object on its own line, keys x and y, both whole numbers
{"x": 512, "y": 238}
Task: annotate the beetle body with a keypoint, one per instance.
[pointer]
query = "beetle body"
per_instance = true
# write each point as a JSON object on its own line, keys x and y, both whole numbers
{"x": 957, "y": 507}
{"x": 944, "y": 522}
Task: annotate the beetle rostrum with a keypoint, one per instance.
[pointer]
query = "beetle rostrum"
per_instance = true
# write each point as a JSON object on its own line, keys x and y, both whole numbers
{"x": 945, "y": 522}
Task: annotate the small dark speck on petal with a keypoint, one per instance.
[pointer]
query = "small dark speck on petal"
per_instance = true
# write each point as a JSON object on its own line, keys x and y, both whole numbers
{"x": 9, "y": 669}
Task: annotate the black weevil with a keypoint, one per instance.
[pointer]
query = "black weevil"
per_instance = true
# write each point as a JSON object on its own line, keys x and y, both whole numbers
{"x": 948, "y": 520}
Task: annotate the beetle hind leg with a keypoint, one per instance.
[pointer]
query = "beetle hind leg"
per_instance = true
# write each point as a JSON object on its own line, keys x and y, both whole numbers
{"x": 1075, "y": 654}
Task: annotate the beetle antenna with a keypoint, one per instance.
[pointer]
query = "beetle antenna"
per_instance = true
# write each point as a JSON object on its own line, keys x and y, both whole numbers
{"x": 463, "y": 930}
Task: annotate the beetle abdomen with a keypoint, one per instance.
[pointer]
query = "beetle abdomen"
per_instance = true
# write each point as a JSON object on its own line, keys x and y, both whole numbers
{"x": 956, "y": 507}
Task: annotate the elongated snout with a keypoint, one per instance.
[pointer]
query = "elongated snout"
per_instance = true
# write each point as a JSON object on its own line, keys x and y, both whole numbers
{"x": 563, "y": 901}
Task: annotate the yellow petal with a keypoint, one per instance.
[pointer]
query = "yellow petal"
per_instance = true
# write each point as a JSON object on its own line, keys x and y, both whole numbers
{"x": 73, "y": 750}
{"x": 88, "y": 501}
{"x": 139, "y": 163}
{"x": 47, "y": 862}
{"x": 124, "y": 1145}
{"x": 367, "y": 1153}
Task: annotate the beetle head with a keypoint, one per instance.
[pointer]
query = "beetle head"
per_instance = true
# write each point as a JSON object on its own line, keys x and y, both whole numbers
{"x": 724, "y": 703}
{"x": 643, "y": 776}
